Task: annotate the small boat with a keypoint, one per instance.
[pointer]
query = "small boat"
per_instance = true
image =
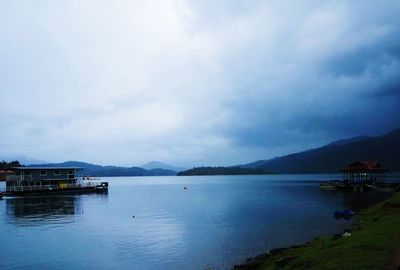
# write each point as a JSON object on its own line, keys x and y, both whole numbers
{"x": 346, "y": 214}
{"x": 327, "y": 185}
{"x": 384, "y": 186}
{"x": 333, "y": 184}
{"x": 90, "y": 178}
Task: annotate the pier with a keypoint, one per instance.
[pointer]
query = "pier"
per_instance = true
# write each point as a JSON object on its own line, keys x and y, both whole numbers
{"x": 360, "y": 176}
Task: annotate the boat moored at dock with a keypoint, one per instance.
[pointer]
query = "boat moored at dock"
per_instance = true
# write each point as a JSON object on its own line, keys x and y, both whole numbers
{"x": 49, "y": 180}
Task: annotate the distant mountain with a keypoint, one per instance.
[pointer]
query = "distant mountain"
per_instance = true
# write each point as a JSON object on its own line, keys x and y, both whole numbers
{"x": 351, "y": 140}
{"x": 332, "y": 157}
{"x": 159, "y": 165}
{"x": 222, "y": 171}
{"x": 98, "y": 170}
{"x": 23, "y": 159}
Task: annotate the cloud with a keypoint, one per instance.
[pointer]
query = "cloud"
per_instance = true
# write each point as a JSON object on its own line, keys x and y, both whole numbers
{"x": 194, "y": 82}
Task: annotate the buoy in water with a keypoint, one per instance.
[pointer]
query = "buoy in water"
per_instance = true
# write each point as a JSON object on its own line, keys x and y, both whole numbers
{"x": 184, "y": 187}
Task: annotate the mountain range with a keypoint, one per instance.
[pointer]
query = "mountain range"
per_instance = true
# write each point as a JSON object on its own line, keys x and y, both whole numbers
{"x": 326, "y": 159}
{"x": 22, "y": 159}
{"x": 330, "y": 158}
{"x": 98, "y": 170}
{"x": 160, "y": 165}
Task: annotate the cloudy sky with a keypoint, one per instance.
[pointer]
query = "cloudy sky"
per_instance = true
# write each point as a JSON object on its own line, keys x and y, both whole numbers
{"x": 194, "y": 82}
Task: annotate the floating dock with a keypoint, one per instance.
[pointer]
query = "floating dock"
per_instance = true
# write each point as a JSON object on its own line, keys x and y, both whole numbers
{"x": 345, "y": 185}
{"x": 28, "y": 181}
{"x": 91, "y": 187}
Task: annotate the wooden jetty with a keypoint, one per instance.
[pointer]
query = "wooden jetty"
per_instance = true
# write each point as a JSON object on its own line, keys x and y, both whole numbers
{"x": 361, "y": 176}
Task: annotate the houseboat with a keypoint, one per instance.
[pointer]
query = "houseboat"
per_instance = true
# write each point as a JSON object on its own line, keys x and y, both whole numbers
{"x": 49, "y": 180}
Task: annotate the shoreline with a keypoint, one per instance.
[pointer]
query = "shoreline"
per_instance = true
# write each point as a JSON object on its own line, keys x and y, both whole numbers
{"x": 369, "y": 243}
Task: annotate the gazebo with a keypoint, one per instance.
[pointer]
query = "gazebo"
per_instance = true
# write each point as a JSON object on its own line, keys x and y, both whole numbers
{"x": 364, "y": 171}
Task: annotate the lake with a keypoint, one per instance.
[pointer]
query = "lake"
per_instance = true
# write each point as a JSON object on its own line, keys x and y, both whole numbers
{"x": 154, "y": 223}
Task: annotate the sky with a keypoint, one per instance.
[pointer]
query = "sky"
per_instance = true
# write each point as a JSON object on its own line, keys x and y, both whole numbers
{"x": 194, "y": 83}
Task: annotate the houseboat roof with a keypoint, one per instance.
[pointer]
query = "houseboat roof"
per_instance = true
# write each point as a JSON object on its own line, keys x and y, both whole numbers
{"x": 364, "y": 165}
{"x": 47, "y": 168}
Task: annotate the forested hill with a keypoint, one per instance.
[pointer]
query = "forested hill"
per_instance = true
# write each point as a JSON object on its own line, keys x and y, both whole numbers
{"x": 223, "y": 171}
{"x": 97, "y": 170}
{"x": 336, "y": 155}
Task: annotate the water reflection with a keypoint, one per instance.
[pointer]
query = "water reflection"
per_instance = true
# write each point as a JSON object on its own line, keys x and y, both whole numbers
{"x": 359, "y": 200}
{"x": 217, "y": 222}
{"x": 34, "y": 211}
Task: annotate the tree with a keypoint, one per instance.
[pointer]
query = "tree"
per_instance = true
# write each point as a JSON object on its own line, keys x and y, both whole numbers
{"x": 4, "y": 165}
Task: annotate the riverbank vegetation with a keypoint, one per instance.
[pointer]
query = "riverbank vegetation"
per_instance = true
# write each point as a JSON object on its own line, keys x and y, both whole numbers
{"x": 372, "y": 242}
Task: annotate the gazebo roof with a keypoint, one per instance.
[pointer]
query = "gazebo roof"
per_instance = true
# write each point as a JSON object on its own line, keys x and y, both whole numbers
{"x": 364, "y": 166}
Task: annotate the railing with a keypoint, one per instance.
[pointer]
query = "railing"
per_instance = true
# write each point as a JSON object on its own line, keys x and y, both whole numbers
{"x": 18, "y": 178}
{"x": 52, "y": 187}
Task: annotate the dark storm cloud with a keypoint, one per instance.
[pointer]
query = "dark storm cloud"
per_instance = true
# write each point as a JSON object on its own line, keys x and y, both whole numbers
{"x": 194, "y": 82}
{"x": 366, "y": 58}
{"x": 348, "y": 86}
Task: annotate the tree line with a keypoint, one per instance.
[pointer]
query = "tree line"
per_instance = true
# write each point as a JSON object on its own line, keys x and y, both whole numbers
{"x": 223, "y": 171}
{"x": 4, "y": 165}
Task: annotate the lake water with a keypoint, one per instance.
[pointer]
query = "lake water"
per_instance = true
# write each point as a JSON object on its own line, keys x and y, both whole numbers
{"x": 217, "y": 222}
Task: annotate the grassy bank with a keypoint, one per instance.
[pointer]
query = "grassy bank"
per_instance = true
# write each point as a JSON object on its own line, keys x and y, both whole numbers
{"x": 374, "y": 243}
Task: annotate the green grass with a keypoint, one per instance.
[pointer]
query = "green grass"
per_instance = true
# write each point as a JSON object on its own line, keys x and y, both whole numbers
{"x": 375, "y": 237}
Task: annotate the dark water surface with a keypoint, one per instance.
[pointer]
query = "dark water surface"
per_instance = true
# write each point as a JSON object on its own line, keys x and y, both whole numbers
{"x": 217, "y": 222}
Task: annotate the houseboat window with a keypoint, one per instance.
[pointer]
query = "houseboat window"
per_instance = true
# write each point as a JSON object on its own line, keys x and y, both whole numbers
{"x": 57, "y": 172}
{"x": 27, "y": 173}
{"x": 43, "y": 173}
{"x": 71, "y": 174}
